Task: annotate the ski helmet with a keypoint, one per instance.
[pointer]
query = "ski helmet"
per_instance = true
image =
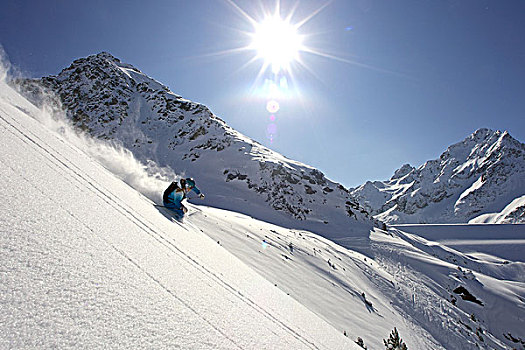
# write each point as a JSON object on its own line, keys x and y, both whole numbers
{"x": 190, "y": 182}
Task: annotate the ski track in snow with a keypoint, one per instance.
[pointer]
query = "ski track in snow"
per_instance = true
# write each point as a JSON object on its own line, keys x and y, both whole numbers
{"x": 186, "y": 290}
{"x": 147, "y": 228}
{"x": 83, "y": 182}
{"x": 110, "y": 200}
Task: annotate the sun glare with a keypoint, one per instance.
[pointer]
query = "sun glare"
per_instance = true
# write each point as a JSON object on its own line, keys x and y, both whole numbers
{"x": 278, "y": 45}
{"x": 281, "y": 45}
{"x": 276, "y": 42}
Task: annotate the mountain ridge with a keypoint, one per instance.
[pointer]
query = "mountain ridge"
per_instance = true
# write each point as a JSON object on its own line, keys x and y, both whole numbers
{"x": 481, "y": 174}
{"x": 115, "y": 101}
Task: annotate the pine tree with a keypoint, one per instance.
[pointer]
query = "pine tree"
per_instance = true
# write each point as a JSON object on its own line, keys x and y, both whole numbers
{"x": 361, "y": 343}
{"x": 395, "y": 342}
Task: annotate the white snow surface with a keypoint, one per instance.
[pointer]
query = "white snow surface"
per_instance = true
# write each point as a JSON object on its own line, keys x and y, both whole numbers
{"x": 514, "y": 212}
{"x": 87, "y": 261}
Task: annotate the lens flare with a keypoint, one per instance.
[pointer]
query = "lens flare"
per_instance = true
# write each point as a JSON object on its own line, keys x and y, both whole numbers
{"x": 272, "y": 106}
{"x": 281, "y": 43}
{"x": 272, "y": 129}
{"x": 283, "y": 83}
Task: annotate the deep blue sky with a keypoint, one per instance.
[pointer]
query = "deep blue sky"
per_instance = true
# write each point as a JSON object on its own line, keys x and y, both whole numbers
{"x": 428, "y": 72}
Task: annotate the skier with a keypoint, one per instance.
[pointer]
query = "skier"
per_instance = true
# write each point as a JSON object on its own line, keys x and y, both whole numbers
{"x": 174, "y": 195}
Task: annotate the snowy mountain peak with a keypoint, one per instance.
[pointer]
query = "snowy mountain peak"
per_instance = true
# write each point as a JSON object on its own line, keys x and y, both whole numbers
{"x": 479, "y": 175}
{"x": 481, "y": 133}
{"x": 105, "y": 55}
{"x": 485, "y": 135}
{"x": 403, "y": 171}
{"x": 102, "y": 59}
{"x": 115, "y": 101}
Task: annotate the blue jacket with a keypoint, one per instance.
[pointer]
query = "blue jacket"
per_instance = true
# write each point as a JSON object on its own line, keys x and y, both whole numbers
{"x": 174, "y": 195}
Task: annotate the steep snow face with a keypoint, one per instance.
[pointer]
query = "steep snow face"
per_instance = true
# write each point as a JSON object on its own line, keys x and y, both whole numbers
{"x": 88, "y": 262}
{"x": 114, "y": 100}
{"x": 481, "y": 174}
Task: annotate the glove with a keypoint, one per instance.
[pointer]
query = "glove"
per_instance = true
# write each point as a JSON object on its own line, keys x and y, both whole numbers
{"x": 201, "y": 196}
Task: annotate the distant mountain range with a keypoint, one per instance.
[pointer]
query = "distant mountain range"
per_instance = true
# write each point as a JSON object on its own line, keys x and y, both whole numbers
{"x": 113, "y": 100}
{"x": 479, "y": 180}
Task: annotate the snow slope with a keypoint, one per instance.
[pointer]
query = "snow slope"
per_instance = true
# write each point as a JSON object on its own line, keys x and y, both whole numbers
{"x": 87, "y": 262}
{"x": 490, "y": 267}
{"x": 499, "y": 242}
{"x": 479, "y": 179}
{"x": 113, "y": 100}
{"x": 470, "y": 266}
{"x": 514, "y": 212}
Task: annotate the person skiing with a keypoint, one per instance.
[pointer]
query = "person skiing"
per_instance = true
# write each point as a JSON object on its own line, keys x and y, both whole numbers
{"x": 174, "y": 195}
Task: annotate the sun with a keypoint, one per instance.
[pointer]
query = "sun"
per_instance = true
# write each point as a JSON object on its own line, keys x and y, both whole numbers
{"x": 280, "y": 43}
{"x": 277, "y": 43}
